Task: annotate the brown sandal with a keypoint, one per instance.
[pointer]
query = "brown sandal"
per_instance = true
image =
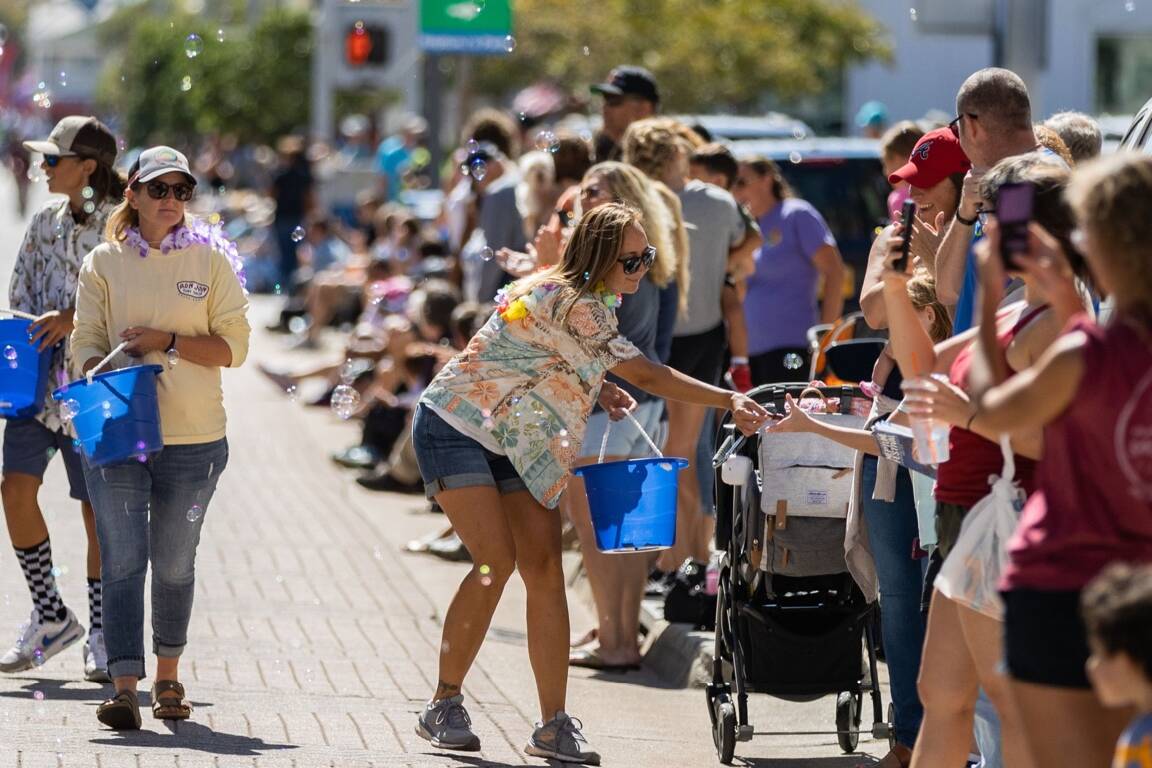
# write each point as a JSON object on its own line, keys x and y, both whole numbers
{"x": 121, "y": 712}
{"x": 169, "y": 702}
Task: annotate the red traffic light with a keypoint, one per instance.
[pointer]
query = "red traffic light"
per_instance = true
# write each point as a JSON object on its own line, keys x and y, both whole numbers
{"x": 365, "y": 45}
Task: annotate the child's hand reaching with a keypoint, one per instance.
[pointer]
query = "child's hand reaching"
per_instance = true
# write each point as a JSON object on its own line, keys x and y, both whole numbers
{"x": 796, "y": 420}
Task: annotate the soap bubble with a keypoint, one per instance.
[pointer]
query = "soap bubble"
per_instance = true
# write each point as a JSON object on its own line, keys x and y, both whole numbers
{"x": 485, "y": 570}
{"x": 485, "y": 581}
{"x": 1130, "y": 6}
{"x": 472, "y": 146}
{"x": 297, "y": 234}
{"x": 89, "y": 206}
{"x": 799, "y": 133}
{"x": 173, "y": 358}
{"x": 142, "y": 458}
{"x": 195, "y": 512}
{"x": 38, "y": 695}
{"x": 487, "y": 254}
{"x": 586, "y": 51}
{"x": 478, "y": 169}
{"x": 795, "y": 157}
{"x": 193, "y": 46}
{"x": 793, "y": 361}
{"x": 509, "y": 44}
{"x": 913, "y": 14}
{"x": 348, "y": 372}
{"x": 38, "y": 661}
{"x": 69, "y": 409}
{"x": 62, "y": 78}
{"x": 34, "y": 173}
{"x": 87, "y": 193}
{"x": 219, "y": 35}
{"x": 186, "y": 83}
{"x": 106, "y": 405}
{"x": 345, "y": 401}
{"x": 488, "y": 424}
{"x": 479, "y": 5}
{"x": 141, "y": 445}
{"x": 10, "y": 352}
{"x": 546, "y": 141}
{"x": 292, "y": 393}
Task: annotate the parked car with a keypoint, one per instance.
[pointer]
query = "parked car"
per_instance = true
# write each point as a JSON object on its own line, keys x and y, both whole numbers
{"x": 1139, "y": 130}
{"x": 773, "y": 125}
{"x": 844, "y": 179}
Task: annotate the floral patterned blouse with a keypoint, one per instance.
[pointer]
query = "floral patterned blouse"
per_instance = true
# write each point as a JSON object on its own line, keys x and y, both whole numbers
{"x": 527, "y": 382}
{"x": 44, "y": 278}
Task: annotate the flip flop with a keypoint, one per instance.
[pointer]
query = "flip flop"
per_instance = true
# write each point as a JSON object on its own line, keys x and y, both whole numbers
{"x": 585, "y": 639}
{"x": 590, "y": 658}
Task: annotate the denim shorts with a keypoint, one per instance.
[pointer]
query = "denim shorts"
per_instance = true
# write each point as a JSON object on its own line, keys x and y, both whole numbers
{"x": 625, "y": 439}
{"x": 449, "y": 459}
{"x": 29, "y": 446}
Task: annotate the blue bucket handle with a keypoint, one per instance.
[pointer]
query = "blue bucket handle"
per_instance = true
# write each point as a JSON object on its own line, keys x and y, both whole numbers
{"x": 640, "y": 427}
{"x": 96, "y": 368}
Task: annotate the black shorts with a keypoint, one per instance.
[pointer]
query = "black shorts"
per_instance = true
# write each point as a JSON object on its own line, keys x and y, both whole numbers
{"x": 700, "y": 355}
{"x": 1044, "y": 638}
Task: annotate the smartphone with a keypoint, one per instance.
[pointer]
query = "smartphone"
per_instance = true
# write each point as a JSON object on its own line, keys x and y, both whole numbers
{"x": 1013, "y": 212}
{"x": 907, "y": 216}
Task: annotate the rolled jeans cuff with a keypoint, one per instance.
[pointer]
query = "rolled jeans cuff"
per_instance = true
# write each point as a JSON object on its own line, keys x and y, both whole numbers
{"x": 167, "y": 651}
{"x": 129, "y": 666}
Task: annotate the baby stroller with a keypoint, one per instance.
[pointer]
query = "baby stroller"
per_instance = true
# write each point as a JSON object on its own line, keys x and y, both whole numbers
{"x": 790, "y": 620}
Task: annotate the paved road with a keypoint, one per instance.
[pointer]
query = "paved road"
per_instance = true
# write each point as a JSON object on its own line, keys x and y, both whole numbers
{"x": 314, "y": 639}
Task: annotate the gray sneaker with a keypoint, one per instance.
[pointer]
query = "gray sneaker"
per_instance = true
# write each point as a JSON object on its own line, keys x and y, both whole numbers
{"x": 446, "y": 724}
{"x": 560, "y": 739}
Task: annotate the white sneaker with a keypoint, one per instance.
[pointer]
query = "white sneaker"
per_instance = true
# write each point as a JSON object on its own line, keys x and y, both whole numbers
{"x": 96, "y": 658}
{"x": 39, "y": 641}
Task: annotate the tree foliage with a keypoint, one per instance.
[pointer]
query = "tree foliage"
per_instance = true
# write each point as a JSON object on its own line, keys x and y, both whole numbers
{"x": 706, "y": 54}
{"x": 252, "y": 83}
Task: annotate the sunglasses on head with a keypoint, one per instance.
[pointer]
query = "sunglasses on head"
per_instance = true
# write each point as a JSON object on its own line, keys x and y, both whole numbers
{"x": 632, "y": 264}
{"x": 158, "y": 190}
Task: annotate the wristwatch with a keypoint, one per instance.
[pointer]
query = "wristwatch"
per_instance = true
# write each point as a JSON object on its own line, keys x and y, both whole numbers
{"x": 171, "y": 344}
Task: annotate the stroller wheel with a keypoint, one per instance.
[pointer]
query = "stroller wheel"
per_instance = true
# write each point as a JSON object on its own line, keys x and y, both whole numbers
{"x": 724, "y": 729}
{"x": 848, "y": 721}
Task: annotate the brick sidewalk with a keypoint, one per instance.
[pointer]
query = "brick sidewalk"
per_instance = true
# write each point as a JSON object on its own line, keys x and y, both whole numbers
{"x": 314, "y": 640}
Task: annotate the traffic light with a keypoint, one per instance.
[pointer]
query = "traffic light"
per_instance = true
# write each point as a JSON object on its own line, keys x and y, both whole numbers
{"x": 366, "y": 45}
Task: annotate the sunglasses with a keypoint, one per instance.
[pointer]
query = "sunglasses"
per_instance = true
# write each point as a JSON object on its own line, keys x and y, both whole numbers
{"x": 645, "y": 258}
{"x": 54, "y": 160}
{"x": 158, "y": 190}
{"x": 954, "y": 126}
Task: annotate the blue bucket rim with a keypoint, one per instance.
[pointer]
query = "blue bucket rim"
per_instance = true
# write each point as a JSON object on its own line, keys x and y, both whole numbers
{"x": 58, "y": 393}
{"x": 679, "y": 462}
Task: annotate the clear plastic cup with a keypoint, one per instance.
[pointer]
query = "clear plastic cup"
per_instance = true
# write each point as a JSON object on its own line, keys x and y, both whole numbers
{"x": 930, "y": 435}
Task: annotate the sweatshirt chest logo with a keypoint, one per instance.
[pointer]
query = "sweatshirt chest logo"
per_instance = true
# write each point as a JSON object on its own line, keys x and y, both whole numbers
{"x": 192, "y": 289}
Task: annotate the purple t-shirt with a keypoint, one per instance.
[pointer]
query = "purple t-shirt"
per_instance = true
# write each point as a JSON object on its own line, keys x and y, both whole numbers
{"x": 780, "y": 305}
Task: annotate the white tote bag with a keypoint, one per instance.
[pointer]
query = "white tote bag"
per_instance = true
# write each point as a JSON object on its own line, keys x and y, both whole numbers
{"x": 971, "y": 572}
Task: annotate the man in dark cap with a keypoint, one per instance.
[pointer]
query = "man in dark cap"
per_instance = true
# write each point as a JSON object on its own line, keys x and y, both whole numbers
{"x": 630, "y": 94}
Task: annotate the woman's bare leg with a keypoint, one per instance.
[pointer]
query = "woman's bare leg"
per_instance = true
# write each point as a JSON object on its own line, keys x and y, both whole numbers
{"x": 948, "y": 687}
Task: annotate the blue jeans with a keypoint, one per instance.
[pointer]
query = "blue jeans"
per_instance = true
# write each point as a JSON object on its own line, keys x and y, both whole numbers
{"x": 151, "y": 510}
{"x": 892, "y": 531}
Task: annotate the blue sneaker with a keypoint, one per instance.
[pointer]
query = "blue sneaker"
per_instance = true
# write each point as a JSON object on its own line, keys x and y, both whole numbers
{"x": 39, "y": 641}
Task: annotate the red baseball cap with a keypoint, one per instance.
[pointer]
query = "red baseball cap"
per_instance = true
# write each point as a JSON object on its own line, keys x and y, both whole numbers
{"x": 936, "y": 156}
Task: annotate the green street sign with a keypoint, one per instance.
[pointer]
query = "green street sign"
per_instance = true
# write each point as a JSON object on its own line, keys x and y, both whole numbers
{"x": 466, "y": 26}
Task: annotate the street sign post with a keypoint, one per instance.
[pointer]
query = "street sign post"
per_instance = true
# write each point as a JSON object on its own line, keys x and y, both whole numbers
{"x": 478, "y": 27}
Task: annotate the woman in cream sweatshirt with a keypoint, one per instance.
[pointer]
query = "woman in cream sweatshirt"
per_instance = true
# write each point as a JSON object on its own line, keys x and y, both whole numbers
{"x": 165, "y": 285}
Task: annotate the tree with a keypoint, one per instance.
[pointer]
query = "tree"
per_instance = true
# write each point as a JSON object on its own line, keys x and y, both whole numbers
{"x": 254, "y": 85}
{"x": 706, "y": 54}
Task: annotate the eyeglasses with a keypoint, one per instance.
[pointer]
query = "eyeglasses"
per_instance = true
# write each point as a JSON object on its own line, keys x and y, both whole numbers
{"x": 954, "y": 126}
{"x": 591, "y": 191}
{"x": 54, "y": 160}
{"x": 158, "y": 190}
{"x": 645, "y": 258}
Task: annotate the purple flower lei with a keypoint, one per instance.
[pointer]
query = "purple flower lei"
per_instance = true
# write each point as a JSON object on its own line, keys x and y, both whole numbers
{"x": 192, "y": 232}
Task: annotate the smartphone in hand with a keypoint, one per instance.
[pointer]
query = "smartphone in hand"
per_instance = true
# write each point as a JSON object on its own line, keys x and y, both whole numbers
{"x": 1013, "y": 213}
{"x": 907, "y": 217}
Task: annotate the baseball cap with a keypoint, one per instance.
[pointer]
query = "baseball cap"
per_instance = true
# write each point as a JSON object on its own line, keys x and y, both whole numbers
{"x": 871, "y": 113}
{"x": 157, "y": 161}
{"x": 78, "y": 136}
{"x": 630, "y": 81}
{"x": 935, "y": 157}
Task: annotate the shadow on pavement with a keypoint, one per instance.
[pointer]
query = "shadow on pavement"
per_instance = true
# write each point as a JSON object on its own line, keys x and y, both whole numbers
{"x": 847, "y": 761}
{"x": 644, "y": 677}
{"x": 467, "y": 761}
{"x": 193, "y": 736}
{"x": 57, "y": 690}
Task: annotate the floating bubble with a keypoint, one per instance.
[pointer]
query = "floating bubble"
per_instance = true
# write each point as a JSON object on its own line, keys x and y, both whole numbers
{"x": 276, "y": 289}
{"x": 195, "y": 512}
{"x": 56, "y": 572}
{"x": 509, "y": 43}
{"x": 485, "y": 581}
{"x": 546, "y": 141}
{"x": 69, "y": 409}
{"x": 186, "y": 83}
{"x": 478, "y": 169}
{"x": 799, "y": 133}
{"x": 795, "y": 157}
{"x": 666, "y": 466}
{"x": 297, "y": 234}
{"x": 62, "y": 78}
{"x": 563, "y": 433}
{"x": 913, "y": 14}
{"x": 193, "y": 46}
{"x": 38, "y": 695}
{"x": 87, "y": 193}
{"x": 472, "y": 146}
{"x": 793, "y": 361}
{"x": 348, "y": 372}
{"x": 142, "y": 458}
{"x": 219, "y": 35}
{"x": 89, "y": 206}
{"x": 445, "y": 646}
{"x": 479, "y": 5}
{"x": 488, "y": 424}
{"x": 586, "y": 51}
{"x": 486, "y": 413}
{"x": 292, "y": 393}
{"x": 10, "y": 352}
{"x": 487, "y": 254}
{"x": 173, "y": 358}
{"x": 485, "y": 570}
{"x": 564, "y": 443}
{"x": 141, "y": 445}
{"x": 1130, "y": 6}
{"x": 345, "y": 401}
{"x": 34, "y": 174}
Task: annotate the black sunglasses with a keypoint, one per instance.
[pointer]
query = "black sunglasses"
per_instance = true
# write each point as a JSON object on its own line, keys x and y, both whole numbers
{"x": 647, "y": 258}
{"x": 158, "y": 190}
{"x": 954, "y": 126}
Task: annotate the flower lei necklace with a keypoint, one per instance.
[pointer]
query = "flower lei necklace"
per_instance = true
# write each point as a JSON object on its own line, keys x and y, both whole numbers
{"x": 192, "y": 232}
{"x": 520, "y": 308}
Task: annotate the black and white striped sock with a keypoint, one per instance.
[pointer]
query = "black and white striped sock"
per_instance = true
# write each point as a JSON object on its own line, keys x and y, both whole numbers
{"x": 95, "y": 607}
{"x": 36, "y": 562}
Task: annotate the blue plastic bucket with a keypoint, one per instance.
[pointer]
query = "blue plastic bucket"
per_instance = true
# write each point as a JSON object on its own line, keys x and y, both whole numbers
{"x": 23, "y": 370}
{"x": 117, "y": 416}
{"x": 633, "y": 502}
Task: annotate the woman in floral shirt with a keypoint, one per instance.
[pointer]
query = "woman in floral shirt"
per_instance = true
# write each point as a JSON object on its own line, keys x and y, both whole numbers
{"x": 495, "y": 434}
{"x": 78, "y": 159}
